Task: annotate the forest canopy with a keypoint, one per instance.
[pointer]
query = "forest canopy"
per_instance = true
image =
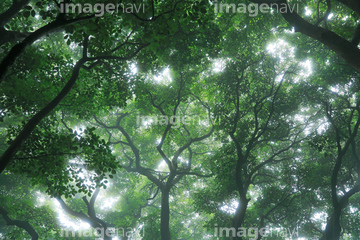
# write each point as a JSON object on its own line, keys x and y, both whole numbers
{"x": 180, "y": 119}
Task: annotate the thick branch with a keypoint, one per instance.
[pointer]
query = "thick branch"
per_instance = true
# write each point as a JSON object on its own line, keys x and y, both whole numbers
{"x": 21, "y": 224}
{"x": 11, "y": 36}
{"x": 345, "y": 49}
{"x": 91, "y": 209}
{"x": 8, "y": 155}
{"x": 356, "y": 36}
{"x": 80, "y": 215}
{"x": 17, "y": 50}
{"x": 15, "y": 8}
{"x": 147, "y": 174}
{"x": 138, "y": 168}
{"x": 352, "y": 4}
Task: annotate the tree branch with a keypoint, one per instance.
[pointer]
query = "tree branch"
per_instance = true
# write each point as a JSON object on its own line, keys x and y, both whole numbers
{"x": 21, "y": 224}
{"x": 14, "y": 9}
{"x": 17, "y": 50}
{"x": 345, "y": 49}
{"x": 14, "y": 147}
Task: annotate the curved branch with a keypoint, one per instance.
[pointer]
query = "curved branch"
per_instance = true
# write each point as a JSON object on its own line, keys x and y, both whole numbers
{"x": 17, "y": 50}
{"x": 21, "y": 224}
{"x": 91, "y": 210}
{"x": 8, "y": 155}
{"x": 352, "y": 4}
{"x": 345, "y": 49}
{"x": 191, "y": 141}
{"x": 80, "y": 215}
{"x": 15, "y": 8}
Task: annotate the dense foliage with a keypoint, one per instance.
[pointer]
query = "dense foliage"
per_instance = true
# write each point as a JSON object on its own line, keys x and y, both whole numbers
{"x": 180, "y": 119}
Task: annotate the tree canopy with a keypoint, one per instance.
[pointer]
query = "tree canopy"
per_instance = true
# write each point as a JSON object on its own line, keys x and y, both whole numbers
{"x": 179, "y": 119}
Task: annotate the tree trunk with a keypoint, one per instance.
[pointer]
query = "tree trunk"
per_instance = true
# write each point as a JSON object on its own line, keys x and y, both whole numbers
{"x": 165, "y": 215}
{"x": 240, "y": 215}
{"x": 333, "y": 228}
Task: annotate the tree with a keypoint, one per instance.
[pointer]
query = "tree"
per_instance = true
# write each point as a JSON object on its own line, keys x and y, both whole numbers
{"x": 26, "y": 211}
{"x": 257, "y": 104}
{"x": 180, "y": 120}
{"x": 102, "y": 52}
{"x": 176, "y": 137}
{"x": 340, "y": 140}
{"x": 38, "y": 127}
{"x": 332, "y": 37}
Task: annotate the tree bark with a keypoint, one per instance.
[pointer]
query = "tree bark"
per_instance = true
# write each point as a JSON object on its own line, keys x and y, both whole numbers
{"x": 19, "y": 48}
{"x": 22, "y": 224}
{"x": 352, "y": 4}
{"x": 240, "y": 215}
{"x": 165, "y": 214}
{"x": 344, "y": 48}
{"x": 100, "y": 226}
{"x": 11, "y": 36}
{"x": 8, "y": 155}
{"x": 333, "y": 228}
{"x": 13, "y": 10}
